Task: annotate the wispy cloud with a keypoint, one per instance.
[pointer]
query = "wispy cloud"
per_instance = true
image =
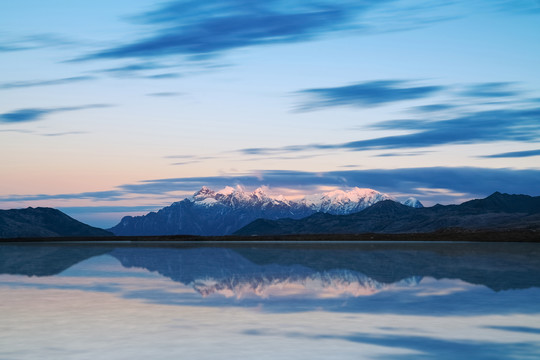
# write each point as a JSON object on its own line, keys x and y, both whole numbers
{"x": 371, "y": 93}
{"x": 429, "y": 184}
{"x": 65, "y": 133}
{"x": 133, "y": 68}
{"x": 33, "y": 42}
{"x": 62, "y": 81}
{"x": 521, "y": 125}
{"x": 165, "y": 94}
{"x": 515, "y": 154}
{"x": 442, "y": 184}
{"x": 491, "y": 90}
{"x": 431, "y": 108}
{"x": 20, "y": 131}
{"x": 96, "y": 195}
{"x": 202, "y": 30}
{"x": 34, "y": 114}
{"x": 207, "y": 28}
{"x": 164, "y": 76}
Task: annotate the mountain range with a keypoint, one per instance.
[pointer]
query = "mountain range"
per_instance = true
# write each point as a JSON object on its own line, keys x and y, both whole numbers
{"x": 223, "y": 212}
{"x": 235, "y": 211}
{"x": 43, "y": 222}
{"x": 496, "y": 212}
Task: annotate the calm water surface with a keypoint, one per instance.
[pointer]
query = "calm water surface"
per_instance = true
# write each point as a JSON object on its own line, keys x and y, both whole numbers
{"x": 270, "y": 301}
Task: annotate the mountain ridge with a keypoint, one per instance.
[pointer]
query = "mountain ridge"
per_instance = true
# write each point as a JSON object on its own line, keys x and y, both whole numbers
{"x": 43, "y": 222}
{"x": 497, "y": 211}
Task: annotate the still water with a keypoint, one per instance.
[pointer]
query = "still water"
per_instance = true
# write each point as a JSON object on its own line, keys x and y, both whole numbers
{"x": 270, "y": 301}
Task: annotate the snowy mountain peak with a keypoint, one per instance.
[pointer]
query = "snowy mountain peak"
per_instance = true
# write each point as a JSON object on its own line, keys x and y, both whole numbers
{"x": 228, "y": 190}
{"x": 338, "y": 201}
{"x": 413, "y": 202}
{"x": 344, "y": 202}
{"x": 204, "y": 193}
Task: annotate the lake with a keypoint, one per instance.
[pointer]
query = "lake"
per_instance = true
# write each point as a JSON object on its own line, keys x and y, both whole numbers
{"x": 270, "y": 301}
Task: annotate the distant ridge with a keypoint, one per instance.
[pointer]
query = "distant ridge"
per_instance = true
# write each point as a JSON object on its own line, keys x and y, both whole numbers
{"x": 43, "y": 222}
{"x": 496, "y": 212}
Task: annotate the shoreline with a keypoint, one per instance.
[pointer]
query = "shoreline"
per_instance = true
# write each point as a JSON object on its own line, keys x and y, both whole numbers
{"x": 438, "y": 236}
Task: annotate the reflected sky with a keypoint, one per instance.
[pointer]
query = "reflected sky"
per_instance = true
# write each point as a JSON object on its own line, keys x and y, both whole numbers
{"x": 268, "y": 302}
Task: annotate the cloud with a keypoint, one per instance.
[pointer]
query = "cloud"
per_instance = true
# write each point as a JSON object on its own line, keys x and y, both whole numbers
{"x": 521, "y": 125}
{"x": 96, "y": 195}
{"x": 164, "y": 76}
{"x": 207, "y": 28}
{"x": 34, "y": 114}
{"x": 133, "y": 68}
{"x": 202, "y": 30}
{"x": 20, "y": 131}
{"x": 491, "y": 90}
{"x": 26, "y": 84}
{"x": 410, "y": 153}
{"x": 429, "y": 184}
{"x": 371, "y": 93}
{"x": 434, "y": 107}
{"x": 165, "y": 94}
{"x": 515, "y": 154}
{"x": 33, "y": 42}
{"x": 65, "y": 133}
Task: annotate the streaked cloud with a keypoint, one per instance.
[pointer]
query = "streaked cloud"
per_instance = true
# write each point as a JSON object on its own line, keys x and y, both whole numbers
{"x": 164, "y": 76}
{"x": 521, "y": 125}
{"x": 165, "y": 94}
{"x": 201, "y": 29}
{"x": 491, "y": 90}
{"x": 371, "y": 93}
{"x": 435, "y": 184}
{"x": 34, "y": 114}
{"x": 34, "y": 83}
{"x": 65, "y": 133}
{"x": 431, "y": 108}
{"x": 33, "y": 42}
{"x": 515, "y": 154}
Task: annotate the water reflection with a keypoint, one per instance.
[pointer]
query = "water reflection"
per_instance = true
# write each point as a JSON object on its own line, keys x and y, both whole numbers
{"x": 405, "y": 301}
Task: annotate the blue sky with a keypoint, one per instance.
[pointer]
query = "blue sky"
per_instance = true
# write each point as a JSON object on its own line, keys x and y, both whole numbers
{"x": 114, "y": 109}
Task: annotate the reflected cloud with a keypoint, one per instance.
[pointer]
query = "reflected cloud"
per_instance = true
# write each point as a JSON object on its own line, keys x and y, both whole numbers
{"x": 427, "y": 347}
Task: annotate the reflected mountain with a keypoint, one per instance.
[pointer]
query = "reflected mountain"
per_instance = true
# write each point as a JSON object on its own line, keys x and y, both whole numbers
{"x": 44, "y": 260}
{"x": 327, "y": 270}
{"x": 229, "y": 273}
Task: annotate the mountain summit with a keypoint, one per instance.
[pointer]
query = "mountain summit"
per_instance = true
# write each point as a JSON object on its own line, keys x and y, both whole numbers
{"x": 222, "y": 212}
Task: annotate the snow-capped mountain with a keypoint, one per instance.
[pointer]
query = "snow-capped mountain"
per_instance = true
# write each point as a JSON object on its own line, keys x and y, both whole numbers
{"x": 413, "y": 202}
{"x": 339, "y": 202}
{"x": 222, "y": 212}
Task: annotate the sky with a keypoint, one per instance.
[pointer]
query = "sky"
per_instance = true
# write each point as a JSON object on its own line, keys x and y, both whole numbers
{"x": 118, "y": 108}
